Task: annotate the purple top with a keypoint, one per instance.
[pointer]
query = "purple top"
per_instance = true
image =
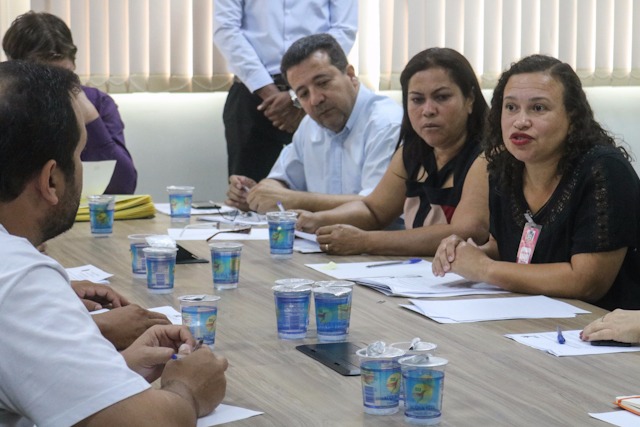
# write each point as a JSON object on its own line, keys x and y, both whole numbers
{"x": 105, "y": 141}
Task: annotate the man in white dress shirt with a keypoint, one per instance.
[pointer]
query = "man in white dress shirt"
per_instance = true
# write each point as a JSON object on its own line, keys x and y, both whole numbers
{"x": 341, "y": 148}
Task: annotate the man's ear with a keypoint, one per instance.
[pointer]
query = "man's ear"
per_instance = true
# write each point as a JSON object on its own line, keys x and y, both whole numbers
{"x": 351, "y": 72}
{"x": 49, "y": 181}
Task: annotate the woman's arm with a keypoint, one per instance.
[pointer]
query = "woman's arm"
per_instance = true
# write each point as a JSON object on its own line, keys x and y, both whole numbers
{"x": 586, "y": 276}
{"x": 470, "y": 220}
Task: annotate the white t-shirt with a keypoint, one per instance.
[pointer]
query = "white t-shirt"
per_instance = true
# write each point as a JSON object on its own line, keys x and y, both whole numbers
{"x": 56, "y": 368}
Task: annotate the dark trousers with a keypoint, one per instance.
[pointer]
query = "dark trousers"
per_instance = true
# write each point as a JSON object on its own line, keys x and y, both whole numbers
{"x": 253, "y": 143}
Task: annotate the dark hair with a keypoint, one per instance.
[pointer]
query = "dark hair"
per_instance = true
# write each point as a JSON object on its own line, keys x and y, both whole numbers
{"x": 462, "y": 74}
{"x": 584, "y": 131}
{"x": 303, "y": 48}
{"x": 37, "y": 122}
{"x": 39, "y": 37}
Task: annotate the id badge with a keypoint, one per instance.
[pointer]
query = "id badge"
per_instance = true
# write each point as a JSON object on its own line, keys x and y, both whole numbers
{"x": 528, "y": 241}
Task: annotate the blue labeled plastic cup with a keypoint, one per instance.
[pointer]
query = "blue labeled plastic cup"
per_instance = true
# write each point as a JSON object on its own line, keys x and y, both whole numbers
{"x": 225, "y": 263}
{"x": 161, "y": 265}
{"x": 180, "y": 198}
{"x": 281, "y": 233}
{"x": 333, "y": 311}
{"x": 415, "y": 347}
{"x": 380, "y": 376}
{"x": 200, "y": 314}
{"x": 423, "y": 382}
{"x": 292, "y": 302}
{"x": 101, "y": 209}
{"x": 137, "y": 242}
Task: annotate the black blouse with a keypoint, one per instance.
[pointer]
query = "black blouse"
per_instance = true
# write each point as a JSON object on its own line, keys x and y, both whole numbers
{"x": 595, "y": 208}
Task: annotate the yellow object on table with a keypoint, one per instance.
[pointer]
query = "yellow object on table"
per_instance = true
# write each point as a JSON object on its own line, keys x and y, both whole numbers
{"x": 133, "y": 206}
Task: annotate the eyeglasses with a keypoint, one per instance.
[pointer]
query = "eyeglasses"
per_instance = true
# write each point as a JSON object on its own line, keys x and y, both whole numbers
{"x": 241, "y": 218}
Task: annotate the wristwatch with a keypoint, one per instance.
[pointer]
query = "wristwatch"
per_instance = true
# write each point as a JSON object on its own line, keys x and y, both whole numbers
{"x": 294, "y": 99}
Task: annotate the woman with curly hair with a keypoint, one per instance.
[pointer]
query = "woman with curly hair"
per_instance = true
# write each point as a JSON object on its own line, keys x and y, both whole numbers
{"x": 436, "y": 177}
{"x": 564, "y": 200}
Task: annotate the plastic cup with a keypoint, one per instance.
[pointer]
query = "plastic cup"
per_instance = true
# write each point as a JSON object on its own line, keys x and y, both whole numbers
{"x": 423, "y": 382}
{"x": 281, "y": 233}
{"x": 333, "y": 311}
{"x": 137, "y": 242}
{"x": 225, "y": 263}
{"x": 101, "y": 214}
{"x": 409, "y": 348}
{"x": 200, "y": 314}
{"x": 421, "y": 347}
{"x": 292, "y": 302}
{"x": 180, "y": 197}
{"x": 161, "y": 265}
{"x": 380, "y": 375}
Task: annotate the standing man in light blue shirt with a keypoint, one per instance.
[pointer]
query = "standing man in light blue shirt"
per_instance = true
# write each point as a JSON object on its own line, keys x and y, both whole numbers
{"x": 253, "y": 35}
{"x": 342, "y": 147}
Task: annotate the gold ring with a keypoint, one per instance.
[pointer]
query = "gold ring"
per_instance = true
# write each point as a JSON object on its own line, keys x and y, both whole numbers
{"x": 326, "y": 247}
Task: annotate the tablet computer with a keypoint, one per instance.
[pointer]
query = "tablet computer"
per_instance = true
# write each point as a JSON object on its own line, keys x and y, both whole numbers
{"x": 339, "y": 356}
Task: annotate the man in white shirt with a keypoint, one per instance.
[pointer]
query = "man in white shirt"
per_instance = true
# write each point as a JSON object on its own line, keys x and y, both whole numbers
{"x": 57, "y": 369}
{"x": 253, "y": 35}
{"x": 342, "y": 147}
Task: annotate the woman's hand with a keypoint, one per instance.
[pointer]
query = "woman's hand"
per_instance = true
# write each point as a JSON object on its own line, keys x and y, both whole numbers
{"x": 342, "y": 239}
{"x": 619, "y": 325}
{"x": 445, "y": 255}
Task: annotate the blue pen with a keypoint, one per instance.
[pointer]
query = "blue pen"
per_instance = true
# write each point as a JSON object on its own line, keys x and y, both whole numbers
{"x": 384, "y": 264}
{"x": 561, "y": 339}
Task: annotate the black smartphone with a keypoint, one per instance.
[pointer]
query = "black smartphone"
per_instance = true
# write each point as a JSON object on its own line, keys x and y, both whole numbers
{"x": 204, "y": 205}
{"x": 339, "y": 356}
{"x": 184, "y": 256}
{"x": 611, "y": 343}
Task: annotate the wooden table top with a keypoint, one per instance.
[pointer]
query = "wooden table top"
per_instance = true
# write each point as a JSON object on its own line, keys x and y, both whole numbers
{"x": 490, "y": 380}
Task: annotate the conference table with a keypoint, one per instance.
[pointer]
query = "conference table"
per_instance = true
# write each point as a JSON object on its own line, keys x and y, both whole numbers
{"x": 490, "y": 380}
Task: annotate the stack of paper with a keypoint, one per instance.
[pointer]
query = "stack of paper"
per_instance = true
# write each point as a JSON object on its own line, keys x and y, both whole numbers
{"x": 480, "y": 310}
{"x": 414, "y": 280}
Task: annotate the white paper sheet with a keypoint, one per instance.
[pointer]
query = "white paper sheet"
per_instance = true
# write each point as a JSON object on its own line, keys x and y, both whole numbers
{"x": 483, "y": 309}
{"x": 204, "y": 233}
{"x": 306, "y": 243}
{"x": 356, "y": 270}
{"x": 619, "y": 418}
{"x": 88, "y": 272}
{"x": 96, "y": 177}
{"x": 421, "y": 287}
{"x": 226, "y": 414}
{"x": 573, "y": 346}
{"x": 165, "y": 208}
{"x": 174, "y": 316}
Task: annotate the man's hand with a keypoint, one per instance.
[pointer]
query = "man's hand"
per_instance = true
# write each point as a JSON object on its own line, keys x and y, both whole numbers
{"x": 148, "y": 354}
{"x": 88, "y": 110}
{"x": 307, "y": 221}
{"x": 279, "y": 109}
{"x": 239, "y": 188}
{"x": 122, "y": 326}
{"x": 199, "y": 378}
{"x": 96, "y": 296}
{"x": 265, "y": 196}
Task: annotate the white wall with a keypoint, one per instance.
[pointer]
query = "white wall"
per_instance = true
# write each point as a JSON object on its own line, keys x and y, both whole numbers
{"x": 178, "y": 138}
